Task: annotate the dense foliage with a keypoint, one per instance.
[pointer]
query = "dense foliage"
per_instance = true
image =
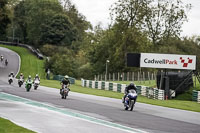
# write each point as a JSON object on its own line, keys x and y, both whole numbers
{"x": 4, "y": 19}
{"x": 80, "y": 50}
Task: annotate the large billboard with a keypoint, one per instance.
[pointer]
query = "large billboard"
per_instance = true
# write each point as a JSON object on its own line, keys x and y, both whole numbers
{"x": 168, "y": 61}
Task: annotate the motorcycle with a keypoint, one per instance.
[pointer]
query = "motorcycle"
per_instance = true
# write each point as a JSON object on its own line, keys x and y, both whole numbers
{"x": 64, "y": 91}
{"x": 6, "y": 62}
{"x": 20, "y": 82}
{"x": 28, "y": 85}
{"x": 1, "y": 58}
{"x": 130, "y": 100}
{"x": 36, "y": 84}
{"x": 10, "y": 79}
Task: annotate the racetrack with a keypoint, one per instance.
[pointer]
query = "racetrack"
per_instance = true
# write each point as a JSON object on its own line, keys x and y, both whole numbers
{"x": 145, "y": 117}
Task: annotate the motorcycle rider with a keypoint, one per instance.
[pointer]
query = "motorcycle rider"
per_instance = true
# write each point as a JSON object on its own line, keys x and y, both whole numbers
{"x": 29, "y": 80}
{"x": 37, "y": 77}
{"x": 66, "y": 82}
{"x": 21, "y": 76}
{"x": 131, "y": 86}
{"x": 6, "y": 62}
{"x": 11, "y": 75}
{"x": 1, "y": 57}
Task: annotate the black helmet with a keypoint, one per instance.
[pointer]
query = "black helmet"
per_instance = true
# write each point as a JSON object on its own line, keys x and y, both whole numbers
{"x": 132, "y": 84}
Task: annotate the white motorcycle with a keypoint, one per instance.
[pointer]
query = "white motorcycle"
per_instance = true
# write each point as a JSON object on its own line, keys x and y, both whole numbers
{"x": 10, "y": 79}
{"x": 20, "y": 82}
{"x": 36, "y": 84}
{"x": 130, "y": 100}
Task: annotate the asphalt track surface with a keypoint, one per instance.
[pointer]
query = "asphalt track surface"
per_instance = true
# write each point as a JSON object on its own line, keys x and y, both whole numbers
{"x": 144, "y": 117}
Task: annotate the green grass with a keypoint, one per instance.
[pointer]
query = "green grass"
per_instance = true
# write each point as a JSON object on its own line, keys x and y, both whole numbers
{"x": 32, "y": 60}
{"x": 7, "y": 126}
{"x": 30, "y": 65}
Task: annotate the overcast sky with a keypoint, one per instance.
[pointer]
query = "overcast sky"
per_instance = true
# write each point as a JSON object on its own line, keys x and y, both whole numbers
{"x": 97, "y": 11}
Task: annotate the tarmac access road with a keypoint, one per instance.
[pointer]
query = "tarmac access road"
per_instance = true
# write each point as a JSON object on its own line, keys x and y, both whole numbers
{"x": 44, "y": 111}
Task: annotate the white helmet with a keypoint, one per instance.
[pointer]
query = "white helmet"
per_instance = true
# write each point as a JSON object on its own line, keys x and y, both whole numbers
{"x": 36, "y": 75}
{"x": 66, "y": 76}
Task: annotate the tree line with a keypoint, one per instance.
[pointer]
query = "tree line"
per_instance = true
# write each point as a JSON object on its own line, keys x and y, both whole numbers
{"x": 78, "y": 49}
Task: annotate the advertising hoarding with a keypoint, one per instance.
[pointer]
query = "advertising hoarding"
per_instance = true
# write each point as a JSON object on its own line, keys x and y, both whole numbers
{"x": 168, "y": 61}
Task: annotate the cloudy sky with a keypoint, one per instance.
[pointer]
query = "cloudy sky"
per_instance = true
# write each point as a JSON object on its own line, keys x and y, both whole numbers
{"x": 97, "y": 11}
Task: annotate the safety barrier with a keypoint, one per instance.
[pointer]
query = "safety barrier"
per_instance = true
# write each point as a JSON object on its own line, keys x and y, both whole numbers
{"x": 32, "y": 49}
{"x": 153, "y": 93}
{"x": 196, "y": 96}
{"x": 198, "y": 99}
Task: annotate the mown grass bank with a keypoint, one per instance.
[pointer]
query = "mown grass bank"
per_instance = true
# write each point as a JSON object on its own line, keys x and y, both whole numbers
{"x": 7, "y": 126}
{"x": 179, "y": 104}
{"x": 30, "y": 64}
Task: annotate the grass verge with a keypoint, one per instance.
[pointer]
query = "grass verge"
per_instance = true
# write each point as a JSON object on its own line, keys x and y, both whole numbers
{"x": 7, "y": 126}
{"x": 27, "y": 57}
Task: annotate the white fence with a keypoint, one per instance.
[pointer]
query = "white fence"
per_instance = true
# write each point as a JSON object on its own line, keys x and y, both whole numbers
{"x": 153, "y": 93}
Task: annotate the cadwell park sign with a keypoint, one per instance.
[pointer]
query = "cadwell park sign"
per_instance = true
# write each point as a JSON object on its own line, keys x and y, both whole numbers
{"x": 165, "y": 61}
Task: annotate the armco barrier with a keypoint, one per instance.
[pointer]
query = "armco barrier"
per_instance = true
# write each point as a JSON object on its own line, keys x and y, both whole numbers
{"x": 143, "y": 90}
{"x": 32, "y": 49}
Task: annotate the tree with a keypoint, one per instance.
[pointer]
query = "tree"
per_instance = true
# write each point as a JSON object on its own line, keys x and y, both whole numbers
{"x": 29, "y": 15}
{"x": 58, "y": 30}
{"x": 164, "y": 19}
{"x": 4, "y": 19}
{"x": 159, "y": 19}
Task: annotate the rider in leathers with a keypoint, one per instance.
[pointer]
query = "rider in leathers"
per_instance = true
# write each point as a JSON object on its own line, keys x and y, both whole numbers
{"x": 66, "y": 82}
{"x": 129, "y": 87}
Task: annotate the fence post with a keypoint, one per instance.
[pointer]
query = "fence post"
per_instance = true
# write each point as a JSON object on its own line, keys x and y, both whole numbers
{"x": 113, "y": 76}
{"x": 132, "y": 76}
{"x": 118, "y": 76}
{"x": 138, "y": 77}
{"x": 127, "y": 76}
{"x": 154, "y": 75}
{"x": 123, "y": 76}
{"x": 149, "y": 78}
{"x": 144, "y": 77}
